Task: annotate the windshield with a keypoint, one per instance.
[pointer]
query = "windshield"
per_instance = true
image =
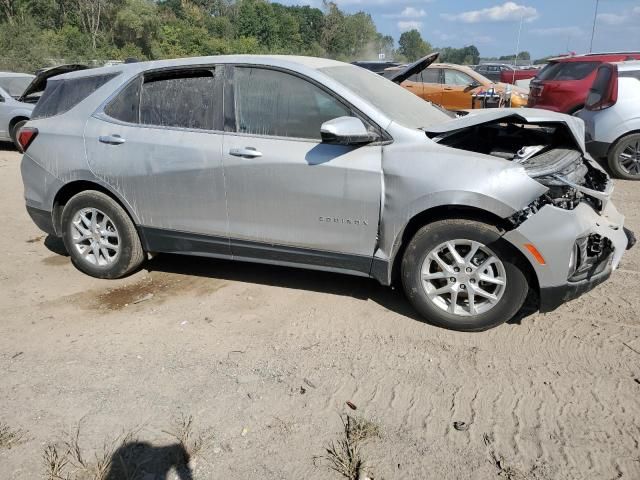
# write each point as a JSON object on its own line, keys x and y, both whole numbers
{"x": 394, "y": 101}
{"x": 14, "y": 86}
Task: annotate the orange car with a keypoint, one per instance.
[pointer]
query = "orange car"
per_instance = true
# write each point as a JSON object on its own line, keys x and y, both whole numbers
{"x": 456, "y": 87}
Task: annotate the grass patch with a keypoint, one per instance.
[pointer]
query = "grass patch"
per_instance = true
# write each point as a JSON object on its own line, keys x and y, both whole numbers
{"x": 344, "y": 455}
{"x": 10, "y": 437}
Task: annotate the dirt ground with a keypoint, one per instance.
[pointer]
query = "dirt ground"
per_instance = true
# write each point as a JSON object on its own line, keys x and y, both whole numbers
{"x": 264, "y": 359}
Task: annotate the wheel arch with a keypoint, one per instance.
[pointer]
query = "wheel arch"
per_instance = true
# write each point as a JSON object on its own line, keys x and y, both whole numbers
{"x": 68, "y": 190}
{"x": 613, "y": 144}
{"x": 464, "y": 212}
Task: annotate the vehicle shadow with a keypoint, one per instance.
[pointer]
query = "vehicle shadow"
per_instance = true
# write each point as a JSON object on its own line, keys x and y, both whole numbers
{"x": 137, "y": 457}
{"x": 8, "y": 147}
{"x": 391, "y": 298}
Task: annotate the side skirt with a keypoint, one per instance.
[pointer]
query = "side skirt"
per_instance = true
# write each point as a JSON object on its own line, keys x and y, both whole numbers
{"x": 172, "y": 241}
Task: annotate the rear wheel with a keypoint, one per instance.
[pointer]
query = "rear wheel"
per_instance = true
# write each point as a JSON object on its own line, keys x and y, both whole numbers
{"x": 14, "y": 133}
{"x": 101, "y": 239}
{"x": 624, "y": 157}
{"x": 461, "y": 275}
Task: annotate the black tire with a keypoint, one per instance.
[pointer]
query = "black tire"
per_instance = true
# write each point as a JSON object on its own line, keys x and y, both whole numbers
{"x": 14, "y": 133}
{"x": 431, "y": 236}
{"x": 130, "y": 253}
{"x": 613, "y": 158}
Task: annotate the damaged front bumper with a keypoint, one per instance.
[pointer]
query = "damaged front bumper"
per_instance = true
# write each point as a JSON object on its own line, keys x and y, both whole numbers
{"x": 579, "y": 249}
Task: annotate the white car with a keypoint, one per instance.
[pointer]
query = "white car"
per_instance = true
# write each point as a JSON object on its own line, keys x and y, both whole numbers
{"x": 14, "y": 112}
{"x": 612, "y": 118}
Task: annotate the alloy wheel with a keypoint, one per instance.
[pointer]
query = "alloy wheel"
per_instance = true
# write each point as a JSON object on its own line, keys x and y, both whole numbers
{"x": 95, "y": 237}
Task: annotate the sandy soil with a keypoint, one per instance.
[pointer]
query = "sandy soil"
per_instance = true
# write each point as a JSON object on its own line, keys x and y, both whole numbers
{"x": 266, "y": 357}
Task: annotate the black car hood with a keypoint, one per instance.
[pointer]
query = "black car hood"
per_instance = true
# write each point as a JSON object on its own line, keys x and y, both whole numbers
{"x": 400, "y": 76}
{"x": 40, "y": 81}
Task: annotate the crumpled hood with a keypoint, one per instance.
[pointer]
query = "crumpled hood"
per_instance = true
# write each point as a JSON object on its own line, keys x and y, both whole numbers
{"x": 40, "y": 80}
{"x": 529, "y": 115}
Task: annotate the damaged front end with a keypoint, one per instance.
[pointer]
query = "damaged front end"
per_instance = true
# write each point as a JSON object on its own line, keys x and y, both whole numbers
{"x": 572, "y": 233}
{"x": 548, "y": 151}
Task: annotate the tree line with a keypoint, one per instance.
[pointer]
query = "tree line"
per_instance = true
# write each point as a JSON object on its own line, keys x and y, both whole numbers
{"x": 38, "y": 33}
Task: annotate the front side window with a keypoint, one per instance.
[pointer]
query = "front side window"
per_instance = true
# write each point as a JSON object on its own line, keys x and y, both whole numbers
{"x": 274, "y": 103}
{"x": 177, "y": 98}
{"x": 456, "y": 78}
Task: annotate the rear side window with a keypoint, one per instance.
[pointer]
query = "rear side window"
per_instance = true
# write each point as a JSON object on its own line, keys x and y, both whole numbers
{"x": 567, "y": 70}
{"x": 178, "y": 98}
{"x": 269, "y": 102}
{"x": 61, "y": 95}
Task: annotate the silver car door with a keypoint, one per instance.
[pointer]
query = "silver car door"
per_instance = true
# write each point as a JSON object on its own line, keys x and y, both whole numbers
{"x": 285, "y": 188}
{"x": 164, "y": 157}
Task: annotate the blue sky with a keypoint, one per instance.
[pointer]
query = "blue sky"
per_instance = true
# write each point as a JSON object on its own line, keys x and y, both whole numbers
{"x": 549, "y": 25}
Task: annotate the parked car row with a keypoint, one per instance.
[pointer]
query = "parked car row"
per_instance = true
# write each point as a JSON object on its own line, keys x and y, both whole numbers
{"x": 322, "y": 165}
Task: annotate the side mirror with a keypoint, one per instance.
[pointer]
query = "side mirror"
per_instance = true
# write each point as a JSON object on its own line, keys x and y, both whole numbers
{"x": 472, "y": 85}
{"x": 346, "y": 131}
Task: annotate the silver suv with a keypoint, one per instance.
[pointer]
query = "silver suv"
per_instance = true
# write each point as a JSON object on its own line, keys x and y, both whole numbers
{"x": 319, "y": 164}
{"x": 612, "y": 117}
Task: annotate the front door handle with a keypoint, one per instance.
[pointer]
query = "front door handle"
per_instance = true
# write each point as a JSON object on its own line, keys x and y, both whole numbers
{"x": 247, "y": 152}
{"x": 111, "y": 139}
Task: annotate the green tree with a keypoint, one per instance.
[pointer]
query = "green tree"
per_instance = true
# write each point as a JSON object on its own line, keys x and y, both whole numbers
{"x": 412, "y": 46}
{"x": 137, "y": 24}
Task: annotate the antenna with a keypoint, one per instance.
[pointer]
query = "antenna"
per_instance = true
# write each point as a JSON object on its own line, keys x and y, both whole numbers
{"x": 593, "y": 30}
{"x": 515, "y": 61}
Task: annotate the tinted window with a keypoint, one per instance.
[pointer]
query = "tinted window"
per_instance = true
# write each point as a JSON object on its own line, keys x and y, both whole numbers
{"x": 567, "y": 70}
{"x": 179, "y": 99}
{"x": 600, "y": 85}
{"x": 126, "y": 106}
{"x": 429, "y": 75}
{"x": 268, "y": 102}
{"x": 61, "y": 95}
{"x": 454, "y": 77}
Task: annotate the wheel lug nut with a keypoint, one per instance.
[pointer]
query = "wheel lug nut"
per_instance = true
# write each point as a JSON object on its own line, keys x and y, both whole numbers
{"x": 462, "y": 287}
{"x": 456, "y": 269}
{"x": 468, "y": 270}
{"x": 472, "y": 280}
{"x": 452, "y": 280}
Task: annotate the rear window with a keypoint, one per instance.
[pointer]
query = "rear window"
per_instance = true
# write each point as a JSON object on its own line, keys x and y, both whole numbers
{"x": 61, "y": 95}
{"x": 567, "y": 70}
{"x": 14, "y": 86}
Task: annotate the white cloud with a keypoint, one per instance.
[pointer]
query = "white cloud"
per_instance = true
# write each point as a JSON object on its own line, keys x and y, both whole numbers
{"x": 508, "y": 11}
{"x": 624, "y": 18}
{"x": 406, "y": 25}
{"x": 408, "y": 13}
{"x": 571, "y": 31}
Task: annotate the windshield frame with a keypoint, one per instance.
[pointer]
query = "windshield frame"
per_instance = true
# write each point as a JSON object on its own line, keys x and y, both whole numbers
{"x": 359, "y": 82}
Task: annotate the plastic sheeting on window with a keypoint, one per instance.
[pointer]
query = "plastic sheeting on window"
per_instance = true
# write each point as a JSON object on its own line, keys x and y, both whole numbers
{"x": 269, "y": 102}
{"x": 61, "y": 95}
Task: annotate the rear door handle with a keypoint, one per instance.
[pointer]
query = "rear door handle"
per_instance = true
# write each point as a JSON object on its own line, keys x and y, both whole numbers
{"x": 247, "y": 152}
{"x": 111, "y": 139}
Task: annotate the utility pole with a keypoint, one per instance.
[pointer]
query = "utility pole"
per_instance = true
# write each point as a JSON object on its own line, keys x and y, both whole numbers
{"x": 593, "y": 30}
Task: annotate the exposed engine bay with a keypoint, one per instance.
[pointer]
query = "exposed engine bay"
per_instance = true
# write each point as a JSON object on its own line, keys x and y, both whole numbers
{"x": 548, "y": 152}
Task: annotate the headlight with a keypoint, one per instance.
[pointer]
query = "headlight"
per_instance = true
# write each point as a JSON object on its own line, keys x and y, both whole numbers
{"x": 573, "y": 259}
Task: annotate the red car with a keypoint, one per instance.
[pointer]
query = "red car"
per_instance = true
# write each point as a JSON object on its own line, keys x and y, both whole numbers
{"x": 512, "y": 75}
{"x": 563, "y": 85}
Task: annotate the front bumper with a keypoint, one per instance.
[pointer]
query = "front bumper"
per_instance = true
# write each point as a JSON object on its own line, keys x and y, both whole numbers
{"x": 555, "y": 232}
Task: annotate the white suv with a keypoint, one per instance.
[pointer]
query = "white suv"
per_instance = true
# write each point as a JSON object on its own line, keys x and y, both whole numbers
{"x": 612, "y": 118}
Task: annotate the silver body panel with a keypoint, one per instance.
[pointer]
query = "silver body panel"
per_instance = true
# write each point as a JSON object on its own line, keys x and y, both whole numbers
{"x": 608, "y": 125}
{"x": 11, "y": 109}
{"x": 302, "y": 197}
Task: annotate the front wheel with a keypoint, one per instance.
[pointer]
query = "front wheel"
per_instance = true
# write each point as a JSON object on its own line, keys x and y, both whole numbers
{"x": 461, "y": 275}
{"x": 624, "y": 157}
{"x": 101, "y": 239}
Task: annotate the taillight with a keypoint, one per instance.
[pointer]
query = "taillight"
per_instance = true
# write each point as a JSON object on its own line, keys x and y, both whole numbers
{"x": 604, "y": 91}
{"x": 26, "y": 136}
